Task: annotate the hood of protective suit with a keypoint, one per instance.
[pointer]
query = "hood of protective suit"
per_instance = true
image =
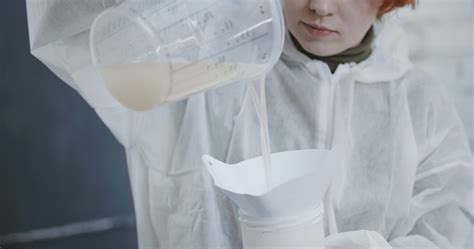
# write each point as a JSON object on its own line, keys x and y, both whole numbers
{"x": 408, "y": 175}
{"x": 389, "y": 60}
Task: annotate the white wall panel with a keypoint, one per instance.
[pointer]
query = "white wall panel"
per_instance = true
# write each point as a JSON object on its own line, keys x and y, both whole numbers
{"x": 441, "y": 38}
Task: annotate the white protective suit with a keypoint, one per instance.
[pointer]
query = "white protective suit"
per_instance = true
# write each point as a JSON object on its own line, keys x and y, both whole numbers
{"x": 408, "y": 178}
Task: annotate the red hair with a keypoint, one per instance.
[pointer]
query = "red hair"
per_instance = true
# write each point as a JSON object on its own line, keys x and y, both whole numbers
{"x": 389, "y": 5}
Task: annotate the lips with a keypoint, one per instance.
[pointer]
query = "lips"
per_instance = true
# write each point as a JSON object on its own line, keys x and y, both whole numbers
{"x": 318, "y": 31}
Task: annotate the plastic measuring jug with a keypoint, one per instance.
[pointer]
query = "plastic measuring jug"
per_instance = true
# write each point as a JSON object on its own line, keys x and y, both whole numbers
{"x": 150, "y": 52}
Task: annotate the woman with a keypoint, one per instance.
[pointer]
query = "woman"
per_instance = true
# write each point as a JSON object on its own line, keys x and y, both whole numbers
{"x": 408, "y": 176}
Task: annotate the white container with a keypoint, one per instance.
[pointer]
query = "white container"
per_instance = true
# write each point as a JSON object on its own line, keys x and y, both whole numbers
{"x": 150, "y": 52}
{"x": 302, "y": 231}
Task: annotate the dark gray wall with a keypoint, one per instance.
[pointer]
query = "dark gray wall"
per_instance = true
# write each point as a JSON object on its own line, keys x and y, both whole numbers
{"x": 58, "y": 162}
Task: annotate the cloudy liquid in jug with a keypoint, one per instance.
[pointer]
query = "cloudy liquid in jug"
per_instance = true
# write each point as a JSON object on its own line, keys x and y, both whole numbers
{"x": 142, "y": 86}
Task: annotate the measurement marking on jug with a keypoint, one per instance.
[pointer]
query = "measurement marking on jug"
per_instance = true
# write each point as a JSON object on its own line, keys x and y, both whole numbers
{"x": 221, "y": 52}
{"x": 184, "y": 19}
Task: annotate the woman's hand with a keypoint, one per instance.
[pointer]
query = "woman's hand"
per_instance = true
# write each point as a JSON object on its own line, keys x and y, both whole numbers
{"x": 361, "y": 239}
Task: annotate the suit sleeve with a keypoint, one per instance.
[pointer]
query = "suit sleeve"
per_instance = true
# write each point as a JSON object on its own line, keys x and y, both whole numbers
{"x": 441, "y": 208}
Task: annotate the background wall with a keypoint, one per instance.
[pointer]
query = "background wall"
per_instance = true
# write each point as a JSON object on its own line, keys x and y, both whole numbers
{"x": 441, "y": 35}
{"x": 60, "y": 165}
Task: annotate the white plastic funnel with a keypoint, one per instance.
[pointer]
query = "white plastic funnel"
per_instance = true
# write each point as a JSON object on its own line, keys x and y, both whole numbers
{"x": 300, "y": 179}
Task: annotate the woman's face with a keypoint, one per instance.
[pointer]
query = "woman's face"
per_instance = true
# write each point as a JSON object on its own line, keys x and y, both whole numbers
{"x": 328, "y": 27}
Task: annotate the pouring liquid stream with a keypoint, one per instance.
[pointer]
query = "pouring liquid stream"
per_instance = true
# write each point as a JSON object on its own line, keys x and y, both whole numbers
{"x": 257, "y": 92}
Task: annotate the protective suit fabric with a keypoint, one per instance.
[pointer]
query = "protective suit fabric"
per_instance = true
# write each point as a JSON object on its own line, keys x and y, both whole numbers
{"x": 408, "y": 177}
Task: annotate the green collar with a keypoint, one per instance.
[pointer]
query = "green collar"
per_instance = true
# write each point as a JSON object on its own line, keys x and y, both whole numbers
{"x": 356, "y": 54}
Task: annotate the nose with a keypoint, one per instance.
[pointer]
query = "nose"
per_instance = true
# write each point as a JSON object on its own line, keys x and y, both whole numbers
{"x": 323, "y": 8}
